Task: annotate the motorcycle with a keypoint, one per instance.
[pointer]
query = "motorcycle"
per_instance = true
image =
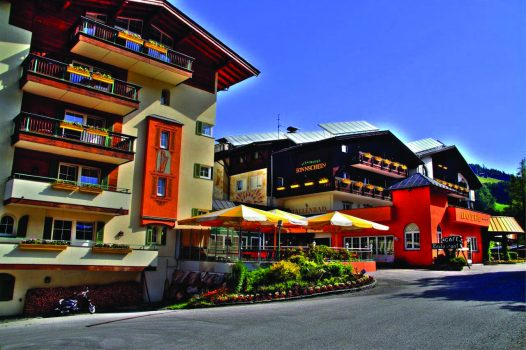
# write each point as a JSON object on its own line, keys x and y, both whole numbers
{"x": 76, "y": 303}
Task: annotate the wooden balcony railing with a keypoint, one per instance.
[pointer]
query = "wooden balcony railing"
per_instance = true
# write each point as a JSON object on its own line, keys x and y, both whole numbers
{"x": 80, "y": 186}
{"x": 359, "y": 188}
{"x": 382, "y": 164}
{"x": 59, "y": 70}
{"x": 56, "y": 128}
{"x": 133, "y": 42}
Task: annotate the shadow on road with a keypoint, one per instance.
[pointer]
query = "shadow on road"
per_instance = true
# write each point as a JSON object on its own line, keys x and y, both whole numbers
{"x": 508, "y": 288}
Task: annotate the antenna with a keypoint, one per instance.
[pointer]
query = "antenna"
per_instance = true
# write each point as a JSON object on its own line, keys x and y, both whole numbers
{"x": 279, "y": 125}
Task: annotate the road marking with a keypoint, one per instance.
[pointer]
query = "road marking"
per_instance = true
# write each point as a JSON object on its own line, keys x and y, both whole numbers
{"x": 127, "y": 318}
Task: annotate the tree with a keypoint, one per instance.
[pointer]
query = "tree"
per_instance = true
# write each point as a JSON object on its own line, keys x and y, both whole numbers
{"x": 518, "y": 194}
{"x": 484, "y": 200}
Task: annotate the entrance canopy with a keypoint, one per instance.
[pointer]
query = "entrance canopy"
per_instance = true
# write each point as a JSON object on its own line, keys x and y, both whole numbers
{"x": 507, "y": 225}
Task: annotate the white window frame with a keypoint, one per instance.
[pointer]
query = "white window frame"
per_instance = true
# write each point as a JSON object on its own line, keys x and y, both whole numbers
{"x": 161, "y": 193}
{"x": 345, "y": 149}
{"x": 73, "y": 228}
{"x": 258, "y": 182}
{"x": 474, "y": 248}
{"x": 243, "y": 185}
{"x": 79, "y": 171}
{"x": 164, "y": 132}
{"x": 412, "y": 233}
{"x": 209, "y": 170}
{"x": 13, "y": 233}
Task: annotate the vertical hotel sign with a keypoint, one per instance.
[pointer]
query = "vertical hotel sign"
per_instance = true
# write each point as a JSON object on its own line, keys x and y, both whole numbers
{"x": 466, "y": 216}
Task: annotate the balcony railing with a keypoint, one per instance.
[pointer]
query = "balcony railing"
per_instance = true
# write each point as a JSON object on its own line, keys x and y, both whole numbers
{"x": 361, "y": 189}
{"x": 382, "y": 163}
{"x": 56, "y": 128}
{"x": 71, "y": 186}
{"x": 463, "y": 191}
{"x": 59, "y": 70}
{"x": 133, "y": 42}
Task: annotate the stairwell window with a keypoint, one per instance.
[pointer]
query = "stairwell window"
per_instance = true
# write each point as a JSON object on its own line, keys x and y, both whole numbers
{"x": 202, "y": 172}
{"x": 165, "y": 140}
{"x": 203, "y": 129}
{"x": 161, "y": 187}
{"x": 165, "y": 97}
{"x": 412, "y": 237}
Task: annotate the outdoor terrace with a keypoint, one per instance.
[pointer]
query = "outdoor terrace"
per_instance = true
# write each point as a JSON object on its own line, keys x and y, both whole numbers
{"x": 130, "y": 51}
{"x": 41, "y": 133}
{"x": 61, "y": 81}
{"x": 361, "y": 189}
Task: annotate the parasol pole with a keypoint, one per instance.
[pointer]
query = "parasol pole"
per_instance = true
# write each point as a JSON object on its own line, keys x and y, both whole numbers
{"x": 279, "y": 239}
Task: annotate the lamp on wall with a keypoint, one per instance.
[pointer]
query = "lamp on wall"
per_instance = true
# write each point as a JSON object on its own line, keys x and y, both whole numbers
{"x": 119, "y": 235}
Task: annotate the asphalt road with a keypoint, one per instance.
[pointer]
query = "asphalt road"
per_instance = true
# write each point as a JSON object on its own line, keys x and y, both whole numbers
{"x": 481, "y": 308}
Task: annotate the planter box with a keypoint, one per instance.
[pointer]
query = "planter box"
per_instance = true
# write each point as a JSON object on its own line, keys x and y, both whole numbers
{"x": 64, "y": 186}
{"x": 156, "y": 48}
{"x": 103, "y": 250}
{"x": 91, "y": 190}
{"x": 131, "y": 38}
{"x": 71, "y": 126}
{"x": 103, "y": 79}
{"x": 97, "y": 132}
{"x": 76, "y": 71}
{"x": 42, "y": 247}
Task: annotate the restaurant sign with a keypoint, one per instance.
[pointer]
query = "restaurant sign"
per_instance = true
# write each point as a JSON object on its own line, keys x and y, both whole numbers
{"x": 310, "y": 165}
{"x": 451, "y": 242}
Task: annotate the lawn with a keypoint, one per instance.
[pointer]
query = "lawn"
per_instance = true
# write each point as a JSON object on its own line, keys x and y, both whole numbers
{"x": 500, "y": 207}
{"x": 488, "y": 180}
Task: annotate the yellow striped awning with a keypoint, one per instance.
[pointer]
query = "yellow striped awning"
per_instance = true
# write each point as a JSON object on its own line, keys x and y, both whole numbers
{"x": 504, "y": 224}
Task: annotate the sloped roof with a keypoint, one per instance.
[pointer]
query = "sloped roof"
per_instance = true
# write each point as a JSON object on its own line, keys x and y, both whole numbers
{"x": 241, "y": 140}
{"x": 308, "y": 136}
{"x": 418, "y": 180}
{"x": 348, "y": 127}
{"x": 218, "y": 204}
{"x": 506, "y": 224}
{"x": 425, "y": 145}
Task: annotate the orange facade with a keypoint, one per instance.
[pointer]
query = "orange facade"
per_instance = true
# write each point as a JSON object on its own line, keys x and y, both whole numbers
{"x": 161, "y": 172}
{"x": 428, "y": 209}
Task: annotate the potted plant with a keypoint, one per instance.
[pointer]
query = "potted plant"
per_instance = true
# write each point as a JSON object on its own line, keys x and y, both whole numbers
{"x": 64, "y": 185}
{"x": 78, "y": 70}
{"x": 102, "y": 77}
{"x": 133, "y": 37}
{"x": 106, "y": 248}
{"x": 90, "y": 188}
{"x": 154, "y": 45}
{"x": 42, "y": 245}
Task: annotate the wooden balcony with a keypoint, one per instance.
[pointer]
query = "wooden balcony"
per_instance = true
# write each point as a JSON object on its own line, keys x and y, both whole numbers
{"x": 45, "y": 192}
{"x": 44, "y": 134}
{"x": 46, "y": 77}
{"x": 376, "y": 164}
{"x": 360, "y": 189}
{"x": 130, "y": 51}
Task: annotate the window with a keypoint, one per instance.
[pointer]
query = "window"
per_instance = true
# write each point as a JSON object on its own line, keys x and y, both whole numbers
{"x": 197, "y": 212}
{"x": 68, "y": 172}
{"x": 203, "y": 129}
{"x": 7, "y": 286}
{"x": 165, "y": 139}
{"x": 161, "y": 187}
{"x": 280, "y": 181}
{"x": 62, "y": 230}
{"x": 130, "y": 24}
{"x": 256, "y": 182}
{"x": 412, "y": 237}
{"x": 345, "y": 148}
{"x": 84, "y": 135}
{"x": 240, "y": 185}
{"x": 7, "y": 225}
{"x": 439, "y": 234}
{"x": 84, "y": 230}
{"x": 165, "y": 97}
{"x": 78, "y": 173}
{"x": 346, "y": 205}
{"x": 89, "y": 176}
{"x": 161, "y": 37}
{"x": 472, "y": 242}
{"x": 257, "y": 155}
{"x": 202, "y": 172}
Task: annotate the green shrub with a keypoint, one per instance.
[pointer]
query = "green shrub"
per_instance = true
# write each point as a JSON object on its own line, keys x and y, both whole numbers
{"x": 257, "y": 278}
{"x": 283, "y": 271}
{"x": 457, "y": 263}
{"x": 335, "y": 269}
{"x": 237, "y": 277}
{"x": 298, "y": 260}
{"x": 512, "y": 256}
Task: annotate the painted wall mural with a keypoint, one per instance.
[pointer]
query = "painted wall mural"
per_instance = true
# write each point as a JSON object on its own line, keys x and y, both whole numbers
{"x": 249, "y": 187}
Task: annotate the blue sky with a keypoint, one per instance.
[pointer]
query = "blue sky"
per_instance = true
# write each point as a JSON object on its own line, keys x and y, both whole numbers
{"x": 451, "y": 70}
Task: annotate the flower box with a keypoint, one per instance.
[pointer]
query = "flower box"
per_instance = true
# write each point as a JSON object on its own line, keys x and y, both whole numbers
{"x": 78, "y": 71}
{"x": 42, "y": 247}
{"x": 90, "y": 189}
{"x": 347, "y": 181}
{"x": 105, "y": 250}
{"x": 102, "y": 78}
{"x": 156, "y": 47}
{"x": 71, "y": 126}
{"x": 64, "y": 186}
{"x": 98, "y": 132}
{"x": 368, "y": 155}
{"x": 131, "y": 37}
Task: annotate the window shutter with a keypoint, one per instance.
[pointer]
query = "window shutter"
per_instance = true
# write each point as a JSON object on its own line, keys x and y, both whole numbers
{"x": 22, "y": 226}
{"x": 104, "y": 181}
{"x": 195, "y": 211}
{"x": 53, "y": 169}
{"x": 149, "y": 232}
{"x": 199, "y": 128}
{"x": 100, "y": 232}
{"x": 169, "y": 188}
{"x": 154, "y": 185}
{"x": 157, "y": 137}
{"x": 48, "y": 227}
{"x": 211, "y": 173}
{"x": 197, "y": 170}
{"x": 163, "y": 235}
{"x": 172, "y": 141}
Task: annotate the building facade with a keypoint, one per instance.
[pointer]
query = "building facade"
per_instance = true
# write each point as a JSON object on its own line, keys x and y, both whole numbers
{"x": 109, "y": 108}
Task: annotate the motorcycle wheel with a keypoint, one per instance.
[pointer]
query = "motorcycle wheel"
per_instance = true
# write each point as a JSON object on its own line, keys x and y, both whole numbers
{"x": 91, "y": 309}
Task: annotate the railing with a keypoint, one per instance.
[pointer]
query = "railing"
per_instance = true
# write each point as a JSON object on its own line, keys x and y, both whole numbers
{"x": 59, "y": 70}
{"x": 460, "y": 189}
{"x": 42, "y": 125}
{"x": 76, "y": 244}
{"x": 55, "y": 181}
{"x": 382, "y": 164}
{"x": 357, "y": 187}
{"x": 109, "y": 34}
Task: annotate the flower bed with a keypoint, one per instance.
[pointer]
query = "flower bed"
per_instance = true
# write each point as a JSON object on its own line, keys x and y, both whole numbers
{"x": 105, "y": 248}
{"x": 42, "y": 245}
{"x": 41, "y": 301}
